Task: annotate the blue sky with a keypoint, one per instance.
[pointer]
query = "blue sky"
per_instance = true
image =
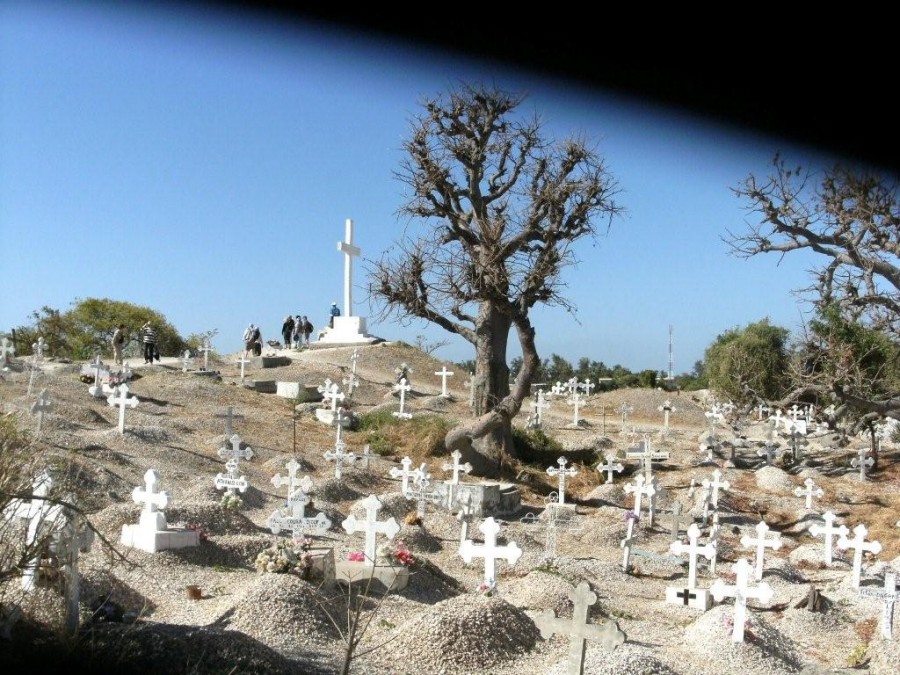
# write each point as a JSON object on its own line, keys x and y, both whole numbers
{"x": 204, "y": 164}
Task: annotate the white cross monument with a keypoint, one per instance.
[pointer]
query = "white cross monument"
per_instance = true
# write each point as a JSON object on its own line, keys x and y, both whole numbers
{"x": 489, "y": 551}
{"x": 371, "y": 526}
{"x": 122, "y": 401}
{"x": 859, "y": 546}
{"x": 829, "y": 531}
{"x": 761, "y": 544}
{"x": 41, "y": 406}
{"x": 862, "y": 462}
{"x": 809, "y": 492}
{"x": 444, "y": 373}
{"x": 562, "y": 472}
{"x": 611, "y": 466}
{"x": 340, "y": 456}
{"x": 741, "y": 592}
{"x": 402, "y": 387}
{"x": 348, "y": 328}
{"x": 691, "y": 596}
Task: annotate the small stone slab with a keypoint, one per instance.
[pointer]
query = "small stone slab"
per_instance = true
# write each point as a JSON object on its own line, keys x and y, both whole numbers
{"x": 696, "y": 598}
{"x": 390, "y": 577}
{"x": 269, "y": 361}
{"x": 263, "y": 386}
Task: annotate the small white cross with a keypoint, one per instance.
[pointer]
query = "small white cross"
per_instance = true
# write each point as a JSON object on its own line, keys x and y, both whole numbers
{"x": 122, "y": 401}
{"x": 96, "y": 390}
{"x": 235, "y": 451}
{"x": 639, "y": 489}
{"x": 206, "y": 349}
{"x": 371, "y": 526}
{"x": 444, "y": 373}
{"x": 610, "y": 466}
{"x": 186, "y": 361}
{"x": 714, "y": 486}
{"x": 829, "y": 531}
{"x": 6, "y": 350}
{"x": 741, "y": 592}
{"x": 859, "y": 545}
{"x": 291, "y": 480}
{"x": 334, "y": 395}
{"x": 761, "y": 544}
{"x": 809, "y": 492}
{"x": 152, "y": 500}
{"x": 402, "y": 387}
{"x": 340, "y": 456}
{"x": 405, "y": 473}
{"x": 489, "y": 550}
{"x": 562, "y": 472}
{"x": 243, "y": 361}
{"x": 862, "y": 462}
{"x": 41, "y": 406}
{"x": 456, "y": 467}
{"x": 693, "y": 550}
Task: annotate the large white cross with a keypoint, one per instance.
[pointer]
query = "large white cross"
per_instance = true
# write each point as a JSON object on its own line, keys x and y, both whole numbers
{"x": 340, "y": 456}
{"x": 714, "y": 486}
{"x": 829, "y": 531}
{"x": 350, "y": 251}
{"x": 562, "y": 472}
{"x": 243, "y": 361}
{"x": 741, "y": 592}
{"x": 122, "y": 401}
{"x": 575, "y": 401}
{"x": 693, "y": 550}
{"x": 639, "y": 489}
{"x": 888, "y": 594}
{"x": 456, "y": 467}
{"x": 292, "y": 482}
{"x": 489, "y": 550}
{"x": 539, "y": 405}
{"x": 371, "y": 526}
{"x": 610, "y": 466}
{"x": 405, "y": 473}
{"x": 761, "y": 544}
{"x": 402, "y": 387}
{"x": 862, "y": 462}
{"x": 72, "y": 537}
{"x": 809, "y": 492}
{"x": 578, "y": 629}
{"x": 444, "y": 373}
{"x": 152, "y": 500}
{"x": 859, "y": 545}
{"x": 41, "y": 406}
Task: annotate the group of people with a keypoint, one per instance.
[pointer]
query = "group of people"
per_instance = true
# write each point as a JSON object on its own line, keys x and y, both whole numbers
{"x": 149, "y": 340}
{"x": 296, "y": 331}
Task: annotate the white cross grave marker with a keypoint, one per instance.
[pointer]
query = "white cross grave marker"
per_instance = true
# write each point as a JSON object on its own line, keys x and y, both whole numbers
{"x": 72, "y": 537}
{"x": 455, "y": 467}
{"x": 371, "y": 526}
{"x": 465, "y": 516}
{"x": 405, "y": 474}
{"x": 626, "y": 543}
{"x": 297, "y": 521}
{"x": 153, "y": 502}
{"x": 714, "y": 531}
{"x": 538, "y": 406}
{"x": 665, "y": 409}
{"x": 340, "y": 456}
{"x": 761, "y": 544}
{"x": 859, "y": 545}
{"x": 562, "y": 472}
{"x": 229, "y": 415}
{"x": 292, "y": 482}
{"x": 333, "y": 395}
{"x": 809, "y": 492}
{"x": 122, "y": 401}
{"x": 235, "y": 452}
{"x": 741, "y": 592}
{"x": 829, "y": 531}
{"x": 624, "y": 410}
{"x": 421, "y": 491}
{"x": 610, "y": 466}
{"x": 714, "y": 486}
{"x": 489, "y": 550}
{"x": 243, "y": 361}
{"x": 862, "y": 462}
{"x": 40, "y": 514}
{"x": 888, "y": 594}
{"x": 639, "y": 489}
{"x": 578, "y": 629}
{"x": 366, "y": 456}
{"x": 350, "y": 251}
{"x": 96, "y": 390}
{"x": 692, "y": 549}
{"x": 6, "y": 350}
{"x": 402, "y": 387}
{"x": 444, "y": 373}
{"x": 575, "y": 402}
{"x": 186, "y": 361}
{"x": 646, "y": 455}
{"x": 41, "y": 406}
{"x": 206, "y": 349}
{"x": 769, "y": 452}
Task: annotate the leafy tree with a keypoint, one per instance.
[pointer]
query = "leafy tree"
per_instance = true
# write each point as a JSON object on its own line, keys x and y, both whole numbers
{"x": 850, "y": 219}
{"x": 501, "y": 207}
{"x": 86, "y": 329}
{"x": 557, "y": 369}
{"x": 750, "y": 363}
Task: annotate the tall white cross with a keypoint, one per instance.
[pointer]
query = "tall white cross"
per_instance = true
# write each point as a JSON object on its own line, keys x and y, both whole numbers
{"x": 665, "y": 409}
{"x": 206, "y": 349}
{"x": 829, "y": 531}
{"x": 402, "y": 387}
{"x": 350, "y": 252}
{"x": 489, "y": 550}
{"x": 371, "y": 526}
{"x": 71, "y": 537}
{"x": 741, "y": 592}
{"x": 444, "y": 373}
{"x": 693, "y": 550}
{"x": 578, "y": 629}
{"x": 292, "y": 482}
{"x": 626, "y": 543}
{"x": 859, "y": 545}
{"x": 354, "y": 357}
{"x": 646, "y": 454}
{"x": 122, "y": 401}
{"x": 862, "y": 462}
{"x": 809, "y": 492}
{"x": 888, "y": 595}
{"x": 538, "y": 406}
{"x": 639, "y": 489}
{"x": 575, "y": 401}
{"x": 243, "y": 361}
{"x": 761, "y": 544}
{"x": 340, "y": 456}
{"x": 587, "y": 385}
{"x": 714, "y": 531}
{"x": 405, "y": 474}
{"x": 96, "y": 390}
{"x": 456, "y": 467}
{"x": 610, "y": 466}
{"x": 562, "y": 472}
{"x": 41, "y": 406}
{"x": 714, "y": 486}
{"x": 152, "y": 500}
{"x": 333, "y": 394}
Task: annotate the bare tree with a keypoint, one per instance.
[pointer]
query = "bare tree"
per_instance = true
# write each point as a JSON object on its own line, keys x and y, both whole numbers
{"x": 501, "y": 208}
{"x": 851, "y": 219}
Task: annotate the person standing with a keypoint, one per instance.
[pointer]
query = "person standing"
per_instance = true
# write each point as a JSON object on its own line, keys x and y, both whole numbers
{"x": 307, "y": 331}
{"x": 249, "y": 338}
{"x": 335, "y": 311}
{"x": 287, "y": 330}
{"x": 118, "y": 343}
{"x": 297, "y": 337}
{"x": 148, "y": 334}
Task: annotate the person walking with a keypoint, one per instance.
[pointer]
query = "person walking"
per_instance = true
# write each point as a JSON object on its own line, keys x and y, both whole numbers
{"x": 297, "y": 336}
{"x": 307, "y": 331}
{"x": 118, "y": 343}
{"x": 251, "y": 336}
{"x": 287, "y": 330}
{"x": 148, "y": 335}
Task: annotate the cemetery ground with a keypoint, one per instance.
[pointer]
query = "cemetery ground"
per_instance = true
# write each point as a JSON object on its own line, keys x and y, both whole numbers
{"x": 136, "y": 613}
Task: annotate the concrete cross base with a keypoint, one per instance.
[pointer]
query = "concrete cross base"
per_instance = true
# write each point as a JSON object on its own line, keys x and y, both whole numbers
{"x": 348, "y": 330}
{"x": 322, "y": 566}
{"x": 391, "y": 578}
{"x": 485, "y": 499}
{"x": 152, "y": 541}
{"x": 326, "y": 416}
{"x": 697, "y": 598}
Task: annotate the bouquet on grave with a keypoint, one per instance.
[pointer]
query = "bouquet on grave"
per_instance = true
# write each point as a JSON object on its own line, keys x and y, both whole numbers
{"x": 487, "y": 589}
{"x": 231, "y": 501}
{"x": 396, "y": 552}
{"x": 287, "y": 556}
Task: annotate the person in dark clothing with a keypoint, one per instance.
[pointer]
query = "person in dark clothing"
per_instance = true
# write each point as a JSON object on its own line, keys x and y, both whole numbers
{"x": 287, "y": 330}
{"x": 335, "y": 311}
{"x": 148, "y": 335}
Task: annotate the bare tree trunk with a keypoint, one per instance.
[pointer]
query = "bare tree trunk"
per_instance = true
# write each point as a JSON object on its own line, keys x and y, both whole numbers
{"x": 491, "y": 370}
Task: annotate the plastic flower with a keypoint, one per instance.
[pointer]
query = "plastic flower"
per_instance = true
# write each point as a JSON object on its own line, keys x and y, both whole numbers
{"x": 356, "y": 556}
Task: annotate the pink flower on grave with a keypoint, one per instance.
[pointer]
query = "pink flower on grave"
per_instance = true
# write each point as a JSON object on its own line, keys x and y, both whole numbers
{"x": 487, "y": 589}
{"x": 356, "y": 556}
{"x": 631, "y": 515}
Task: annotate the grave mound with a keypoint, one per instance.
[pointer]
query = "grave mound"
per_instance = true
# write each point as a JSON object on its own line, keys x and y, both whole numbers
{"x": 211, "y": 518}
{"x": 539, "y": 591}
{"x": 885, "y": 657}
{"x": 99, "y": 583}
{"x": 275, "y": 607}
{"x": 336, "y": 490}
{"x": 626, "y": 658}
{"x": 773, "y": 479}
{"x": 459, "y": 635}
{"x": 236, "y": 551}
{"x": 763, "y": 651}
